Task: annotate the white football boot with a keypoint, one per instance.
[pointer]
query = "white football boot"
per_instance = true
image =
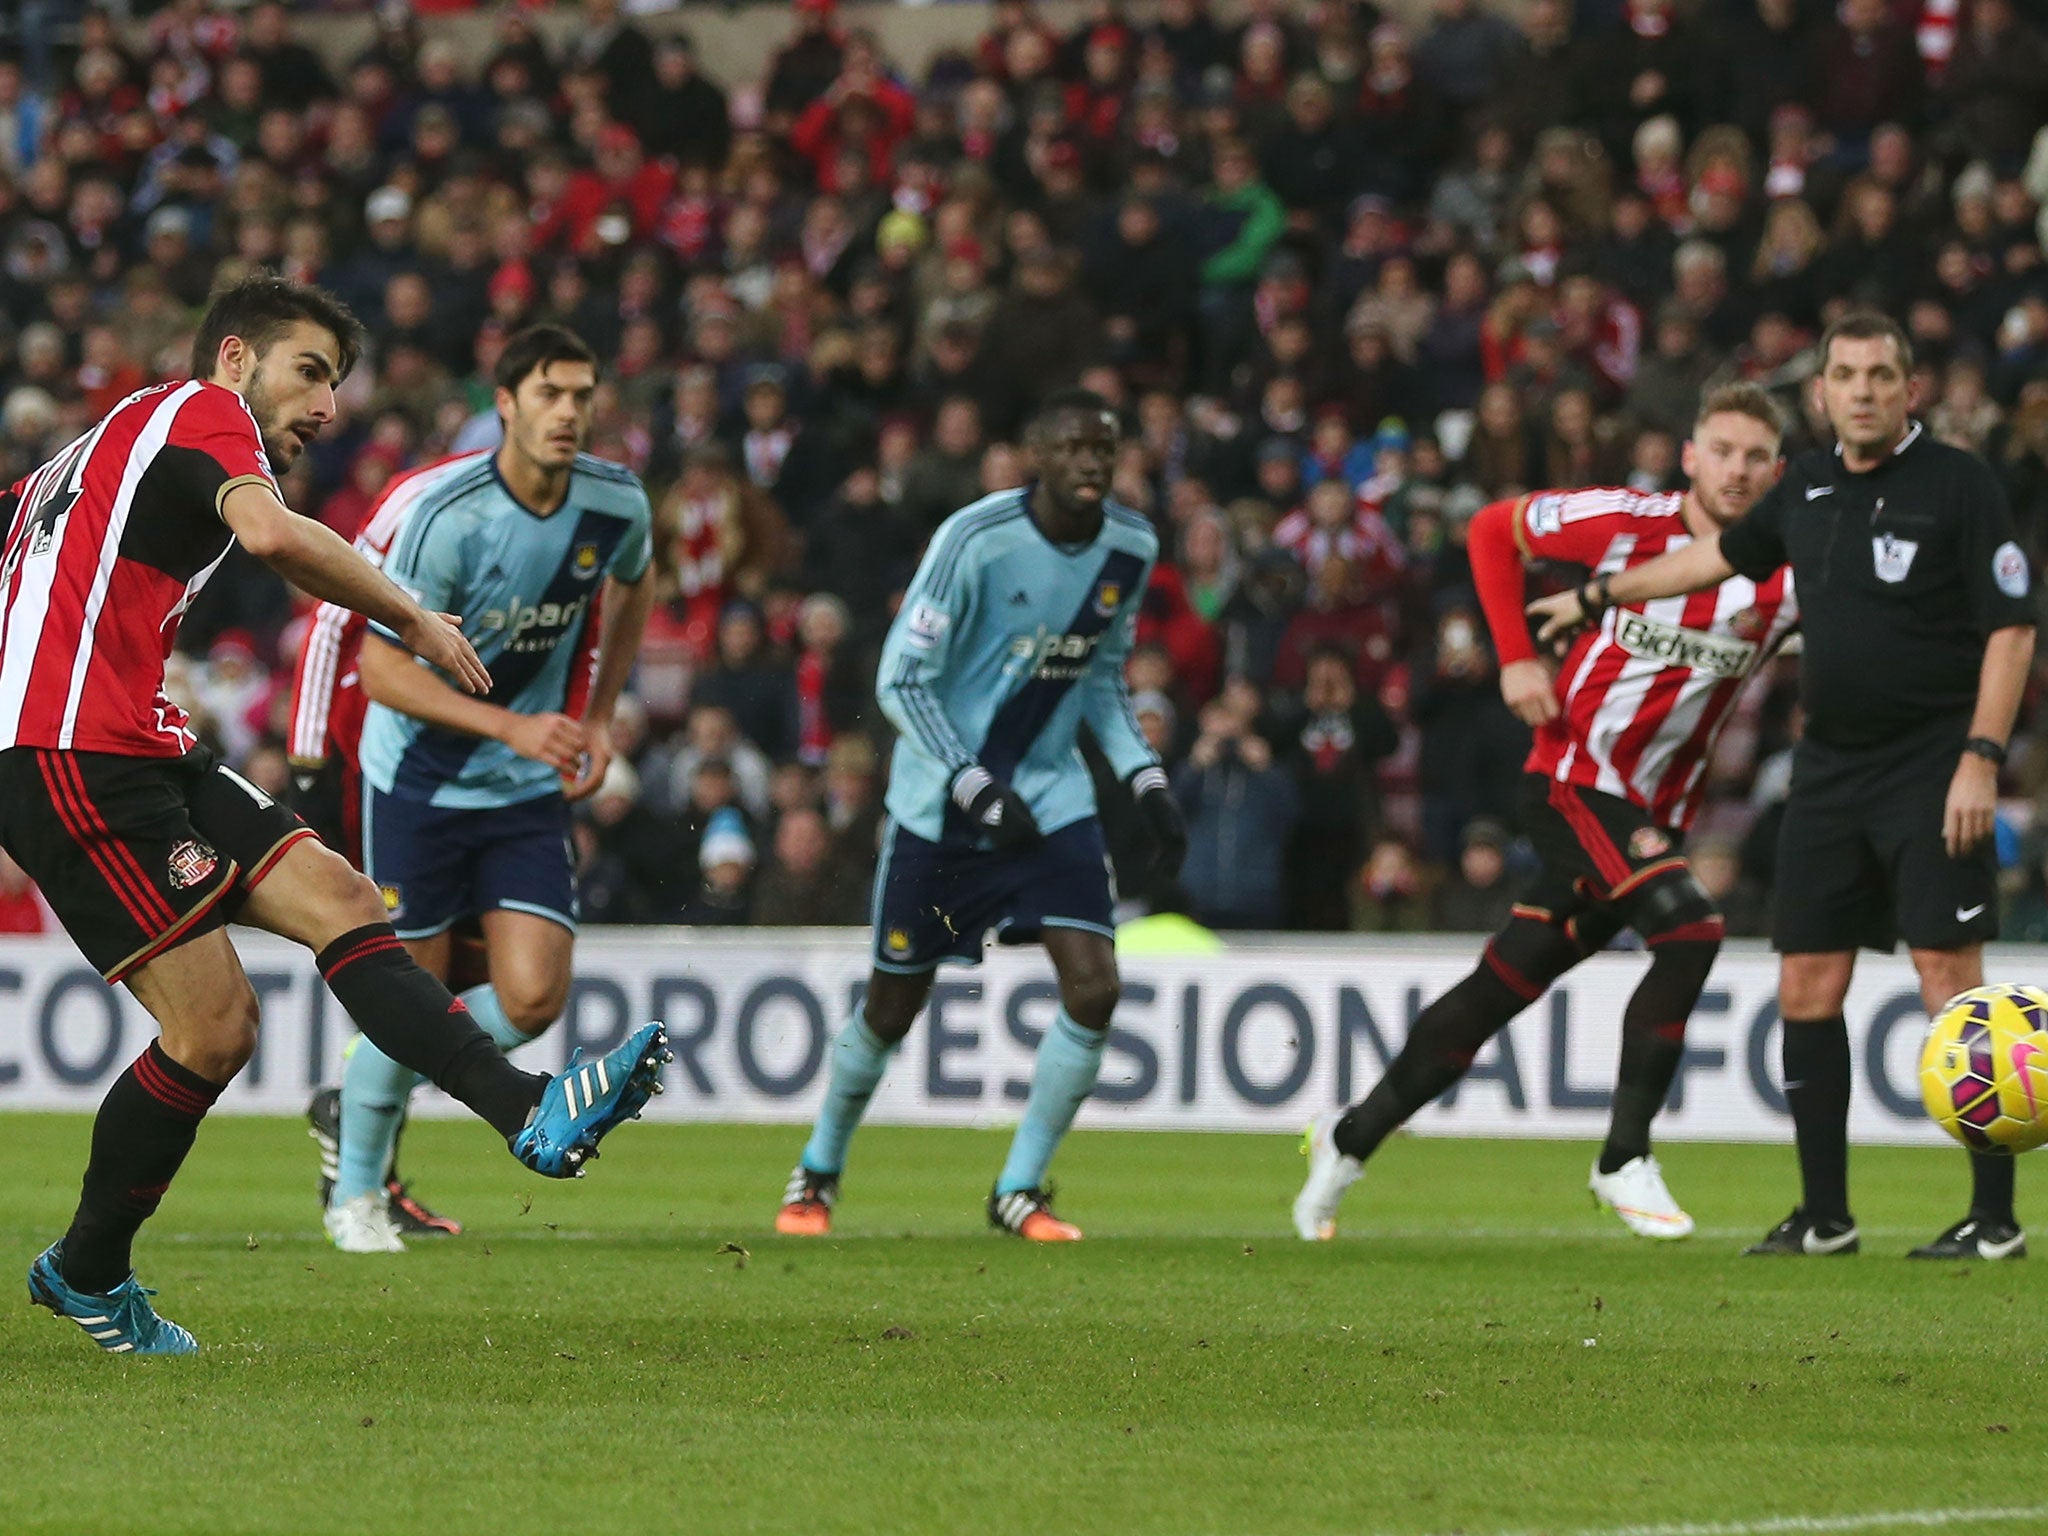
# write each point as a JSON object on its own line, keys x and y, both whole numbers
{"x": 1330, "y": 1173}
{"x": 1635, "y": 1192}
{"x": 364, "y": 1225}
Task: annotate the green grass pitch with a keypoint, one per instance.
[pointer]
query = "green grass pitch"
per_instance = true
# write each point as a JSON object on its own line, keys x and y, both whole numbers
{"x": 1481, "y": 1352}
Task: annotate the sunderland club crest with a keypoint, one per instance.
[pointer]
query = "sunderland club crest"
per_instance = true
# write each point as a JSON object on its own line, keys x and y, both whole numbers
{"x": 191, "y": 862}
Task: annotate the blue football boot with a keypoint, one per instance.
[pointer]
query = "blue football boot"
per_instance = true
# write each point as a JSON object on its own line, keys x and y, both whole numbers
{"x": 588, "y": 1100}
{"x": 122, "y": 1322}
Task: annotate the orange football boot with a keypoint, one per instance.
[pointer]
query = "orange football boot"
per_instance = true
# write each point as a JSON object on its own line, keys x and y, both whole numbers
{"x": 807, "y": 1204}
{"x": 1028, "y": 1213}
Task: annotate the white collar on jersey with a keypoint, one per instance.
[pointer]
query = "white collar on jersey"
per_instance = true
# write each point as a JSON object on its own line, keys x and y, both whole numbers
{"x": 1913, "y": 431}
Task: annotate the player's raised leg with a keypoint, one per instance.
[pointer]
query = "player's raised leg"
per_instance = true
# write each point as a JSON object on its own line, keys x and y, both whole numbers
{"x": 861, "y": 1053}
{"x": 1516, "y": 966}
{"x": 529, "y": 958}
{"x": 553, "y": 1126}
{"x": 206, "y": 1010}
{"x": 1069, "y": 1061}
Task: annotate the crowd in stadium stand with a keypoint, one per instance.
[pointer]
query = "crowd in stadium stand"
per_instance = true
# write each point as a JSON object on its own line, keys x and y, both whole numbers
{"x": 1349, "y": 276}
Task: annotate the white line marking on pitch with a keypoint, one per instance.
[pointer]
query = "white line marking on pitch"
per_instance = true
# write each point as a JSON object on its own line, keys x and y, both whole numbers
{"x": 1792, "y": 1525}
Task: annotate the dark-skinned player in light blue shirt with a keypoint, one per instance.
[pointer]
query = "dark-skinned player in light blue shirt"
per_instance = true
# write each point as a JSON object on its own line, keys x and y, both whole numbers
{"x": 1012, "y": 636}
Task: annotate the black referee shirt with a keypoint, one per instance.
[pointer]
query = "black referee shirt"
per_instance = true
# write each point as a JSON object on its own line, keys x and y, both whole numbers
{"x": 1900, "y": 574}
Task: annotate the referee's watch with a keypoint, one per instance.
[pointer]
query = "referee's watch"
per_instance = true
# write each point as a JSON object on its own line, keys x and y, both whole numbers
{"x": 1984, "y": 747}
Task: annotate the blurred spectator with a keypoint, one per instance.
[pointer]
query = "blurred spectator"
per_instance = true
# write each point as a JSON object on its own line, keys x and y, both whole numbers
{"x": 749, "y": 683}
{"x": 1476, "y": 898}
{"x": 1472, "y": 747}
{"x": 725, "y": 854}
{"x": 1333, "y": 744}
{"x": 732, "y": 769}
{"x": 1389, "y": 894}
{"x": 802, "y": 887}
{"x": 1241, "y": 809}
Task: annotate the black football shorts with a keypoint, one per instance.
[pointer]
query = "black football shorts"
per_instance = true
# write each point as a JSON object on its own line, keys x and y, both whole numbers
{"x": 1597, "y": 850}
{"x": 1861, "y": 862}
{"x": 137, "y": 855}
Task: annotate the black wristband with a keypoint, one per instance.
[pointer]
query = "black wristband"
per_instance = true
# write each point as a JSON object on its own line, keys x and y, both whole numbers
{"x": 1599, "y": 600}
{"x": 1985, "y": 747}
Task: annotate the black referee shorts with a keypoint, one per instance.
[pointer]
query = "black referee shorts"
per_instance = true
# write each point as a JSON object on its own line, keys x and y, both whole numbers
{"x": 1861, "y": 862}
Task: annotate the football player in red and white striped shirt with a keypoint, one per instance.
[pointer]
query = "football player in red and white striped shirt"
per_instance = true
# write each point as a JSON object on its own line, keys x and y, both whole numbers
{"x": 144, "y": 845}
{"x": 1624, "y": 727}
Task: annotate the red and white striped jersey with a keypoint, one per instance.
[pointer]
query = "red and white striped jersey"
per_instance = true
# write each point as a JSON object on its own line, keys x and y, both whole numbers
{"x": 1646, "y": 692}
{"x": 328, "y": 703}
{"x": 327, "y": 693}
{"x": 107, "y": 545}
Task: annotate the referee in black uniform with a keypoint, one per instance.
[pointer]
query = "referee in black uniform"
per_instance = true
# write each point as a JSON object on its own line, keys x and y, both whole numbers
{"x": 1918, "y": 638}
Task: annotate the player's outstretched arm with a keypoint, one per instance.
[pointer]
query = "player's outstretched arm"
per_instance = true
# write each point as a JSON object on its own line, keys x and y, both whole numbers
{"x": 318, "y": 560}
{"x": 625, "y": 610}
{"x": 1692, "y": 568}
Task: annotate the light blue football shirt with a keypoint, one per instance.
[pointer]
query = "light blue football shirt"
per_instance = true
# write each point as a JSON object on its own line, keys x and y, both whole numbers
{"x": 525, "y": 586}
{"x": 1004, "y": 644}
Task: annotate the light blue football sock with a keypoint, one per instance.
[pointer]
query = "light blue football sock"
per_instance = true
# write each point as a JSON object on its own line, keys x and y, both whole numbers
{"x": 859, "y": 1058}
{"x": 1069, "y": 1061}
{"x": 483, "y": 1005}
{"x": 374, "y": 1089}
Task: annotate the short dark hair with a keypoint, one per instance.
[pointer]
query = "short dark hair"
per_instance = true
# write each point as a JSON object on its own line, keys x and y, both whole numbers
{"x": 536, "y": 347}
{"x": 1751, "y": 400}
{"x": 263, "y": 304}
{"x": 1085, "y": 401}
{"x": 1867, "y": 325}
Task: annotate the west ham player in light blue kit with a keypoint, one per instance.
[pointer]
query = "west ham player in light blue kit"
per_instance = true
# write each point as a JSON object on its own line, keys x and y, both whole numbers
{"x": 1012, "y": 635}
{"x": 466, "y": 800}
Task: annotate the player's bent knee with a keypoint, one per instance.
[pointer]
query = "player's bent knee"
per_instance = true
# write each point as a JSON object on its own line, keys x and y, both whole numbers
{"x": 532, "y": 1013}
{"x": 1091, "y": 1000}
{"x": 892, "y": 1004}
{"x": 1675, "y": 908}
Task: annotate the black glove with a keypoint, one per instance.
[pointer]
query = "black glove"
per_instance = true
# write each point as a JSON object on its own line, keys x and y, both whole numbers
{"x": 995, "y": 809}
{"x": 1163, "y": 819}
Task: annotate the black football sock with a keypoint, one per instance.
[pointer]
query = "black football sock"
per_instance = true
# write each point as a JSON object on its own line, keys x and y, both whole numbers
{"x": 1991, "y": 1181}
{"x": 420, "y": 1024}
{"x": 1816, "y": 1059}
{"x": 1439, "y": 1050}
{"x": 1653, "y": 1043}
{"x": 143, "y": 1131}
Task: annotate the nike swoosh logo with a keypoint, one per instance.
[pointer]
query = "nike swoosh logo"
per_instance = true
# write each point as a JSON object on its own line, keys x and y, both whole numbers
{"x": 2023, "y": 1055}
{"x": 1964, "y": 914}
{"x": 1815, "y": 492}
{"x": 1813, "y": 1242}
{"x": 1986, "y": 1249}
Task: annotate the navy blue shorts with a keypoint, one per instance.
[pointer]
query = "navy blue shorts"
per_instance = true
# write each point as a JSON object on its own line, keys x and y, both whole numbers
{"x": 940, "y": 901}
{"x": 436, "y": 865}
